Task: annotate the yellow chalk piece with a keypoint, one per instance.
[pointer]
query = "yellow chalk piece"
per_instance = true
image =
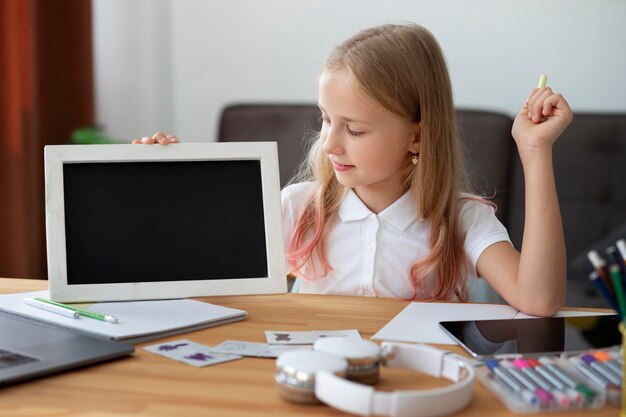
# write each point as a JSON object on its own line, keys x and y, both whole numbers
{"x": 543, "y": 80}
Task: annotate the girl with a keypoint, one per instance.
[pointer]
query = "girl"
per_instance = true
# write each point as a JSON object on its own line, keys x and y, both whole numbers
{"x": 381, "y": 210}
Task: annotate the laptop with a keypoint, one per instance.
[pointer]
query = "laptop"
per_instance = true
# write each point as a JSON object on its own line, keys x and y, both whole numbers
{"x": 31, "y": 350}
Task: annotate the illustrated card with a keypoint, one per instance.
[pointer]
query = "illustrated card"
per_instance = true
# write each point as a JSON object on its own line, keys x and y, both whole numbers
{"x": 274, "y": 351}
{"x": 259, "y": 350}
{"x": 278, "y": 337}
{"x": 191, "y": 353}
{"x": 348, "y": 334}
{"x": 237, "y": 347}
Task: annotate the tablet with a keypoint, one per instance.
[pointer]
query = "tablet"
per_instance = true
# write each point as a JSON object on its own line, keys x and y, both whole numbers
{"x": 131, "y": 222}
{"x": 485, "y": 339}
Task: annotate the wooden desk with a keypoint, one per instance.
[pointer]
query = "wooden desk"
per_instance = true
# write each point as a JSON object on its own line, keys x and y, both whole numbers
{"x": 146, "y": 384}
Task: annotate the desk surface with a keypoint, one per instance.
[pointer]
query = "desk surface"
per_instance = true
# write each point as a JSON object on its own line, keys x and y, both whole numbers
{"x": 146, "y": 384}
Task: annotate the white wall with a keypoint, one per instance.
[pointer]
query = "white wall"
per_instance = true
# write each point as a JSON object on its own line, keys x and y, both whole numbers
{"x": 174, "y": 64}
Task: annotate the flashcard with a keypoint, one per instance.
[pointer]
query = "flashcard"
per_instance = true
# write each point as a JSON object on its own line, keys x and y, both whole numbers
{"x": 348, "y": 334}
{"x": 259, "y": 350}
{"x": 173, "y": 349}
{"x": 190, "y": 353}
{"x": 201, "y": 358}
{"x": 289, "y": 338}
{"x": 237, "y": 347}
{"x": 278, "y": 337}
{"x": 274, "y": 351}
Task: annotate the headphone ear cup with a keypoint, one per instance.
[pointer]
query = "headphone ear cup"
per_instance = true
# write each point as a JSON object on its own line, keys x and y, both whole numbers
{"x": 363, "y": 357}
{"x": 296, "y": 372}
{"x": 296, "y": 395}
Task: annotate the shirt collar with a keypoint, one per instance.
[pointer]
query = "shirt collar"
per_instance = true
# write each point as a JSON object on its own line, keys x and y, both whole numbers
{"x": 401, "y": 214}
{"x": 352, "y": 208}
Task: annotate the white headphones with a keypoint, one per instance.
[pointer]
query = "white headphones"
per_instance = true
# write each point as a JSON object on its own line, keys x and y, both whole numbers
{"x": 310, "y": 376}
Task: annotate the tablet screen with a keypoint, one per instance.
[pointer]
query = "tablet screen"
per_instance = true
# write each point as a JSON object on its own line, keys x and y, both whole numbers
{"x": 489, "y": 338}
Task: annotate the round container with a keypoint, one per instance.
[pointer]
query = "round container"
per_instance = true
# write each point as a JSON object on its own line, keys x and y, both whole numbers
{"x": 296, "y": 369}
{"x": 363, "y": 357}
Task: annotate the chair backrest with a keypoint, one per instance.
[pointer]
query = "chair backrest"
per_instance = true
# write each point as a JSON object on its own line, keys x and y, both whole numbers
{"x": 286, "y": 124}
{"x": 589, "y": 160}
{"x": 485, "y": 136}
{"x": 488, "y": 149}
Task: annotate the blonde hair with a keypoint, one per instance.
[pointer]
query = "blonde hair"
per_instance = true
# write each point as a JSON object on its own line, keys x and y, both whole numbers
{"x": 402, "y": 68}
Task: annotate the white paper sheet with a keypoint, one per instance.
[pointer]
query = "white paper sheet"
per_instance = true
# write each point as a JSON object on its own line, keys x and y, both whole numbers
{"x": 419, "y": 321}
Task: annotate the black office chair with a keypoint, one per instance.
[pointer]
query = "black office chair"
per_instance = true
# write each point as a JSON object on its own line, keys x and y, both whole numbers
{"x": 286, "y": 124}
{"x": 488, "y": 150}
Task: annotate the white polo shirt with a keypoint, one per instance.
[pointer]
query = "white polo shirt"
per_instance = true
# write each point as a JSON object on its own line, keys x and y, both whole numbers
{"x": 371, "y": 254}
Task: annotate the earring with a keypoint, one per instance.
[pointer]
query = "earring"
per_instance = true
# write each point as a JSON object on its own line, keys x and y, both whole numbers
{"x": 415, "y": 159}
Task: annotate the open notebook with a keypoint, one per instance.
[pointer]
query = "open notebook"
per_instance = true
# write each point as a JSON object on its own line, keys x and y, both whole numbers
{"x": 139, "y": 321}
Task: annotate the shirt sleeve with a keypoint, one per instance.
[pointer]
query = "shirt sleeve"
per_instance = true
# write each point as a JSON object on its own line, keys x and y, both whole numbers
{"x": 481, "y": 228}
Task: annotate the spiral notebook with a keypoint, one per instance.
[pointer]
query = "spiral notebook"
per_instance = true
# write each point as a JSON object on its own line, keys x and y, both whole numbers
{"x": 139, "y": 321}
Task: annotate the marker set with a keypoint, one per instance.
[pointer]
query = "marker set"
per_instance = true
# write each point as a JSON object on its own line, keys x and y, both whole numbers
{"x": 609, "y": 278}
{"x": 548, "y": 383}
{"x": 603, "y": 369}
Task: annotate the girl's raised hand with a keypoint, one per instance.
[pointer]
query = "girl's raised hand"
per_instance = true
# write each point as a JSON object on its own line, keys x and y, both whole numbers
{"x": 542, "y": 119}
{"x": 159, "y": 137}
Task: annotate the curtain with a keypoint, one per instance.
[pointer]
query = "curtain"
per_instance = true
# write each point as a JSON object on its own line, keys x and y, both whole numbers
{"x": 46, "y": 91}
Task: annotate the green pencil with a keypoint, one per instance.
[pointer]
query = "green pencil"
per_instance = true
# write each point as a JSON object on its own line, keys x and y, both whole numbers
{"x": 85, "y": 313}
{"x": 616, "y": 277}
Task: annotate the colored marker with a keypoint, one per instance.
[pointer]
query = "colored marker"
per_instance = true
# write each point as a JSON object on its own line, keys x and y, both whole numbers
{"x": 80, "y": 311}
{"x": 51, "y": 308}
{"x": 609, "y": 361}
{"x": 555, "y": 395}
{"x": 616, "y": 277}
{"x": 543, "y": 80}
{"x": 567, "y": 379}
{"x": 575, "y": 396}
{"x": 602, "y": 370}
{"x": 621, "y": 247}
{"x": 594, "y": 376}
{"x": 525, "y": 394}
{"x": 544, "y": 397}
{"x": 616, "y": 258}
{"x": 617, "y": 356}
{"x": 599, "y": 284}
{"x": 600, "y": 265}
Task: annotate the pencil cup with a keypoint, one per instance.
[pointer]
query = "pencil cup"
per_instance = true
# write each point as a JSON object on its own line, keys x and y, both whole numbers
{"x": 622, "y": 330}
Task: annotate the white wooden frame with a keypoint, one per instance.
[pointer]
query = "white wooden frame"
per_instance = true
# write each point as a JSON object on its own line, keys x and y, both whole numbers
{"x": 58, "y": 155}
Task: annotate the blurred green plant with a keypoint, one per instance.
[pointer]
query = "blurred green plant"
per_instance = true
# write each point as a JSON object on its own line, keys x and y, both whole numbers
{"x": 90, "y": 135}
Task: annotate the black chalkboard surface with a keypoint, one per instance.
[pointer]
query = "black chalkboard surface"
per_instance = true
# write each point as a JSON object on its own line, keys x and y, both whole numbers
{"x": 163, "y": 221}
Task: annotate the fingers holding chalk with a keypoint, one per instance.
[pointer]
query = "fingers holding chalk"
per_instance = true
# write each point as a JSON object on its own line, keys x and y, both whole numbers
{"x": 537, "y": 103}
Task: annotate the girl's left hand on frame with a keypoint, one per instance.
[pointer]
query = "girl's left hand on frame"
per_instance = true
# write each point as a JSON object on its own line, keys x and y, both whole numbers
{"x": 542, "y": 119}
{"x": 159, "y": 137}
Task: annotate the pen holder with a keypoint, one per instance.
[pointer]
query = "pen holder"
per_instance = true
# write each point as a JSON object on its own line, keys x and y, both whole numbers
{"x": 622, "y": 330}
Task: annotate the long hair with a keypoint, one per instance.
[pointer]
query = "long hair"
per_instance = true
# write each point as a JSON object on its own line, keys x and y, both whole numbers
{"x": 402, "y": 68}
